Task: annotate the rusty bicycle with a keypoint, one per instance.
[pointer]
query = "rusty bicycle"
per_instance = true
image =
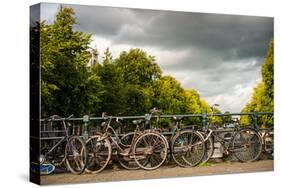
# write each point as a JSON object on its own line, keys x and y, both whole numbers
{"x": 186, "y": 147}
{"x": 72, "y": 149}
{"x": 147, "y": 150}
{"x": 245, "y": 143}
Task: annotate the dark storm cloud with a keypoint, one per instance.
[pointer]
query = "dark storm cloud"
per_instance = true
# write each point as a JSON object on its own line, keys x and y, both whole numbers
{"x": 213, "y": 31}
{"x": 230, "y": 37}
{"x": 100, "y": 20}
{"x": 216, "y": 37}
{"x": 107, "y": 21}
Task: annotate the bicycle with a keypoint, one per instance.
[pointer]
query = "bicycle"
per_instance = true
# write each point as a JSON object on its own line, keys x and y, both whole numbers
{"x": 74, "y": 156}
{"x": 244, "y": 143}
{"x": 127, "y": 140}
{"x": 142, "y": 149}
{"x": 158, "y": 145}
{"x": 142, "y": 126}
{"x": 268, "y": 141}
{"x": 187, "y": 145}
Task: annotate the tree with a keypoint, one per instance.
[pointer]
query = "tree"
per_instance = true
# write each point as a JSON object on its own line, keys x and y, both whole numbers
{"x": 67, "y": 86}
{"x": 139, "y": 71}
{"x": 193, "y": 102}
{"x": 268, "y": 79}
{"x": 113, "y": 99}
{"x": 263, "y": 96}
{"x": 138, "y": 68}
{"x": 169, "y": 96}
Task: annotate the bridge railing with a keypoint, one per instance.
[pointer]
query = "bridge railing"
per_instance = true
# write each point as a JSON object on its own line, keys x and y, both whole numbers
{"x": 81, "y": 124}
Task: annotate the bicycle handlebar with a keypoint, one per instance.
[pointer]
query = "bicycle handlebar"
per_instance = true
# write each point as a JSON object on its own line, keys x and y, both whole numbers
{"x": 59, "y": 117}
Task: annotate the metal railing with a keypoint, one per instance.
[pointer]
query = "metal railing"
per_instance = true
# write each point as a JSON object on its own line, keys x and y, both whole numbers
{"x": 86, "y": 119}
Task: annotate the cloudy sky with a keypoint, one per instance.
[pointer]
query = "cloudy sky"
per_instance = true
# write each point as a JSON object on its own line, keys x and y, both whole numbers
{"x": 218, "y": 55}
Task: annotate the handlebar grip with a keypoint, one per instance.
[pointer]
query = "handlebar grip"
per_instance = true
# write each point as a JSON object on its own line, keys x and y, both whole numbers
{"x": 53, "y": 117}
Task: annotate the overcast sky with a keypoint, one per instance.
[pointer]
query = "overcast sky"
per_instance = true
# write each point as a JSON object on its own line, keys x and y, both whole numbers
{"x": 218, "y": 55}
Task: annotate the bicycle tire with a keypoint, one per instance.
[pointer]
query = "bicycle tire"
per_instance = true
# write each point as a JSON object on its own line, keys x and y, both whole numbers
{"x": 147, "y": 154}
{"x": 125, "y": 161}
{"x": 247, "y": 145}
{"x": 100, "y": 151}
{"x": 79, "y": 157}
{"x": 127, "y": 139}
{"x": 269, "y": 142}
{"x": 209, "y": 150}
{"x": 188, "y": 148}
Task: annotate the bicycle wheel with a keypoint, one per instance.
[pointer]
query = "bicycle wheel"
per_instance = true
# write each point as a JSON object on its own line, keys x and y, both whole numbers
{"x": 209, "y": 150}
{"x": 76, "y": 156}
{"x": 188, "y": 148}
{"x": 247, "y": 145}
{"x": 269, "y": 141}
{"x": 99, "y": 152}
{"x": 150, "y": 151}
{"x": 127, "y": 139}
{"x": 126, "y": 161}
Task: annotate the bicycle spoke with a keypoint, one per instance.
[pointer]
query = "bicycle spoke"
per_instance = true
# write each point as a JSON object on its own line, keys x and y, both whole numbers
{"x": 99, "y": 154}
{"x": 155, "y": 151}
{"x": 188, "y": 149}
{"x": 247, "y": 145}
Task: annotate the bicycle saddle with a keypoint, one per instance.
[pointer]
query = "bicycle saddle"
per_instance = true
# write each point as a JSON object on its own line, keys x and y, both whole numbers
{"x": 178, "y": 118}
{"x": 138, "y": 121}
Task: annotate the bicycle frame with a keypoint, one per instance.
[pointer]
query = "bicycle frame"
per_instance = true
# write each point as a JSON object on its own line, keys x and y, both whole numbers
{"x": 56, "y": 145}
{"x": 109, "y": 129}
{"x": 226, "y": 143}
{"x": 65, "y": 138}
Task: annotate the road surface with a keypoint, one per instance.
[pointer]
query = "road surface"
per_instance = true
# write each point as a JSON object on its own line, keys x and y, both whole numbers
{"x": 118, "y": 174}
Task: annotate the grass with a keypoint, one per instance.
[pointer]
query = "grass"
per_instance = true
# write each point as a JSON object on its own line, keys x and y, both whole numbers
{"x": 206, "y": 164}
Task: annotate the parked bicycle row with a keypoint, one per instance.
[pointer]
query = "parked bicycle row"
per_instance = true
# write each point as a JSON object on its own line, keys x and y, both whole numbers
{"x": 148, "y": 147}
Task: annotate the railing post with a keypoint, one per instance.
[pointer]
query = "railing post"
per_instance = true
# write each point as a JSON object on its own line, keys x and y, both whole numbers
{"x": 255, "y": 118}
{"x": 85, "y": 127}
{"x": 204, "y": 119}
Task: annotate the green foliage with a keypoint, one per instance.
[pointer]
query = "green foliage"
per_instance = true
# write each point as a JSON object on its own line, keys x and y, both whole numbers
{"x": 138, "y": 99}
{"x": 66, "y": 85}
{"x": 138, "y": 68}
{"x": 113, "y": 98}
{"x": 263, "y": 95}
{"x": 194, "y": 104}
{"x": 268, "y": 79}
{"x": 169, "y": 96}
{"x": 138, "y": 71}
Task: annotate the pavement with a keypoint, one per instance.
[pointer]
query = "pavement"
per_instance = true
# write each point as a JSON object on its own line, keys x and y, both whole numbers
{"x": 167, "y": 171}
